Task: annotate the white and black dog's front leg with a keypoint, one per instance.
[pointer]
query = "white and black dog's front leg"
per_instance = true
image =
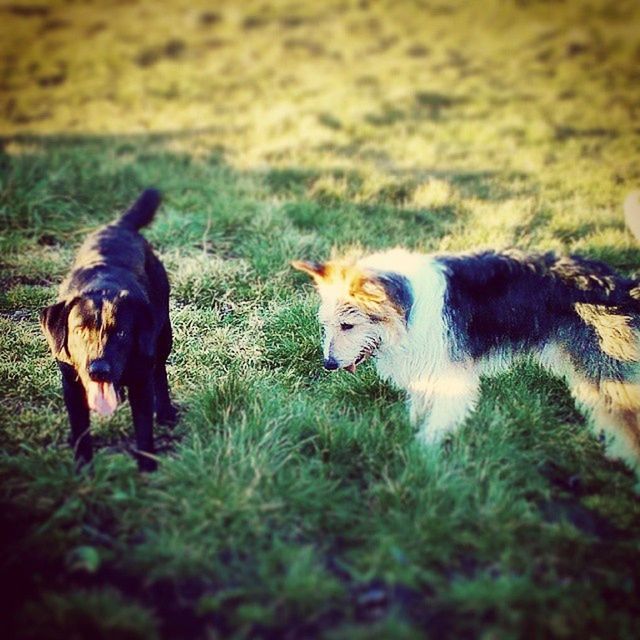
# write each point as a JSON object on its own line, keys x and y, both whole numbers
{"x": 440, "y": 402}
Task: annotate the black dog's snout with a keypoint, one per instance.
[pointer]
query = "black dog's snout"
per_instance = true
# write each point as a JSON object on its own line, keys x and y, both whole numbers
{"x": 331, "y": 364}
{"x": 99, "y": 370}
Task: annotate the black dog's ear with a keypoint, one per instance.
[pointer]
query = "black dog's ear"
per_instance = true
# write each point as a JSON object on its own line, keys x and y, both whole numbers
{"x": 54, "y": 323}
{"x": 144, "y": 330}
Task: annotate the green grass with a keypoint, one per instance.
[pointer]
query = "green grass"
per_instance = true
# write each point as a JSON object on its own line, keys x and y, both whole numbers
{"x": 291, "y": 502}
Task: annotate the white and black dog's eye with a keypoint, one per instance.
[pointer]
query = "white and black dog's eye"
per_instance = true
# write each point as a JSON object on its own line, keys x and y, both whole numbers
{"x": 345, "y": 326}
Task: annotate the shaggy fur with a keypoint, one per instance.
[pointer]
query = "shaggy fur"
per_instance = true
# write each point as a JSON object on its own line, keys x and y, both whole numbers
{"x": 110, "y": 329}
{"x": 436, "y": 323}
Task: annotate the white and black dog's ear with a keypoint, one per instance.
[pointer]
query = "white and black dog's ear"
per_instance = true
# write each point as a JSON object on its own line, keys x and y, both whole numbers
{"x": 397, "y": 290}
{"x": 54, "y": 322}
{"x": 317, "y": 270}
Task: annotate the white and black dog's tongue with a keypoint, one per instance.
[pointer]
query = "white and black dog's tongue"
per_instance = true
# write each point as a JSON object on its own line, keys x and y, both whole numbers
{"x": 102, "y": 397}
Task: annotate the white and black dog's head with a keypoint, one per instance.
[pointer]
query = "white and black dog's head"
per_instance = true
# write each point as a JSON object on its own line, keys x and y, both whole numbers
{"x": 362, "y": 310}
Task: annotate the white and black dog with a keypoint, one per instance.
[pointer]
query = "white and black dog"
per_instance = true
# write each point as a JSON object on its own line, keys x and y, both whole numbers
{"x": 436, "y": 323}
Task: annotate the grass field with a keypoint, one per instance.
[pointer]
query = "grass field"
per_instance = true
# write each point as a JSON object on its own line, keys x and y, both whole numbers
{"x": 292, "y": 503}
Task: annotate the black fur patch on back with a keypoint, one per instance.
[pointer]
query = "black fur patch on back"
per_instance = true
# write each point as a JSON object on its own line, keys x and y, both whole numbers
{"x": 520, "y": 301}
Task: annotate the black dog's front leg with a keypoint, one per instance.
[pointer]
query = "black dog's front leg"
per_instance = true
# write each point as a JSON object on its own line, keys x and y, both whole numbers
{"x": 166, "y": 413}
{"x": 141, "y": 401}
{"x": 75, "y": 398}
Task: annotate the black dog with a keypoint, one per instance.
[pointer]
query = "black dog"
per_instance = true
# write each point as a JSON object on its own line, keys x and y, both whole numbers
{"x": 110, "y": 328}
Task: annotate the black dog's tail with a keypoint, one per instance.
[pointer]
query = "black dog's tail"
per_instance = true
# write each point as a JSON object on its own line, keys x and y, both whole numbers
{"x": 142, "y": 210}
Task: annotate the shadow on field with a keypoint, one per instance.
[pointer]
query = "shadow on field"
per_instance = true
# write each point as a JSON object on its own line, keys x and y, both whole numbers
{"x": 345, "y": 205}
{"x": 31, "y": 562}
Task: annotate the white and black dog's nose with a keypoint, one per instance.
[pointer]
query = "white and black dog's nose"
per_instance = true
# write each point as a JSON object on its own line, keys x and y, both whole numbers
{"x": 330, "y": 363}
{"x": 99, "y": 370}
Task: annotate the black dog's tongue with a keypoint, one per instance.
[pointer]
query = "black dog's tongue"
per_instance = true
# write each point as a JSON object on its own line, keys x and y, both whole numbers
{"x": 102, "y": 397}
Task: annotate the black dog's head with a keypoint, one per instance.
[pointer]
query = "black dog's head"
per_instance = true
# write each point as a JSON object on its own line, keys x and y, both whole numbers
{"x": 98, "y": 335}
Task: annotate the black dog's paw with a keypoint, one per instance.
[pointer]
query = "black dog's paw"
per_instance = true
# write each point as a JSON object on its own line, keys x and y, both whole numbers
{"x": 168, "y": 416}
{"x": 146, "y": 463}
{"x": 83, "y": 466}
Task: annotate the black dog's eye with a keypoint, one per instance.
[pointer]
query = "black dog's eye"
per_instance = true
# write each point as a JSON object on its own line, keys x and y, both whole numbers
{"x": 345, "y": 326}
{"x": 120, "y": 334}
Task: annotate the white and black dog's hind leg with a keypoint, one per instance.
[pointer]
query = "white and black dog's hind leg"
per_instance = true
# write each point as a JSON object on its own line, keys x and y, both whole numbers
{"x": 601, "y": 363}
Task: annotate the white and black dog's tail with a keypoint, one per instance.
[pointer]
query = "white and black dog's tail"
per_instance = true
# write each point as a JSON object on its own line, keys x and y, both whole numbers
{"x": 632, "y": 213}
{"x": 142, "y": 211}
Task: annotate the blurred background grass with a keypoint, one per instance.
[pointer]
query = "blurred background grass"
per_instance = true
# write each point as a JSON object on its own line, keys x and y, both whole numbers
{"x": 408, "y": 102}
{"x": 291, "y": 503}
{"x": 408, "y": 85}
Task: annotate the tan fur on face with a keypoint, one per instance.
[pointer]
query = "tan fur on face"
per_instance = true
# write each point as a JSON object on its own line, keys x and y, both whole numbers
{"x": 347, "y": 281}
{"x": 89, "y": 328}
{"x": 617, "y": 337}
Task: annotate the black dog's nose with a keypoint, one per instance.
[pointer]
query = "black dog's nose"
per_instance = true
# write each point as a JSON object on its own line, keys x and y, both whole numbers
{"x": 331, "y": 364}
{"x": 99, "y": 370}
